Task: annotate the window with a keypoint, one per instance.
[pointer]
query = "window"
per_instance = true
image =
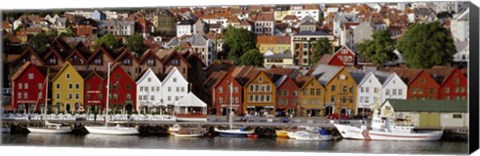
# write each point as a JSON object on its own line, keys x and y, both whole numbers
{"x": 312, "y": 91}
{"x": 77, "y": 96}
{"x": 332, "y": 88}
{"x": 294, "y": 93}
{"x": 139, "y": 97}
{"x": 177, "y": 89}
{"x": 174, "y": 79}
{"x": 456, "y": 80}
{"x": 345, "y": 89}
{"x": 251, "y": 87}
{"x": 145, "y": 97}
{"x": 151, "y": 98}
{"x": 268, "y": 88}
{"x": 432, "y": 91}
{"x": 262, "y": 98}
{"x": 158, "y": 89}
{"x": 362, "y": 89}
{"x": 70, "y": 86}
{"x": 77, "y": 86}
{"x": 26, "y": 86}
{"x": 70, "y": 96}
{"x": 250, "y": 98}
{"x": 351, "y": 99}
{"x": 256, "y": 88}
{"x": 182, "y": 89}
{"x": 367, "y": 99}
{"x": 169, "y": 89}
{"x": 367, "y": 89}
{"x": 67, "y": 75}
{"x": 332, "y": 99}
{"x": 420, "y": 90}
{"x": 304, "y": 101}
{"x": 268, "y": 98}
{"x": 220, "y": 90}
{"x": 260, "y": 79}
{"x": 25, "y": 95}
{"x": 220, "y": 100}
{"x": 39, "y": 85}
{"x": 30, "y": 76}
{"x": 462, "y": 89}
{"x": 447, "y": 90}
{"x": 351, "y": 89}
{"x": 58, "y": 96}
{"x": 394, "y": 92}
{"x": 400, "y": 92}
{"x": 457, "y": 116}
{"x": 422, "y": 80}
{"x": 235, "y": 90}
{"x": 141, "y": 89}
{"x": 19, "y": 95}
{"x": 414, "y": 91}
{"x": 128, "y": 87}
{"x": 20, "y": 86}
{"x": 256, "y": 98}
{"x": 361, "y": 99}
{"x": 312, "y": 101}
{"x": 115, "y": 96}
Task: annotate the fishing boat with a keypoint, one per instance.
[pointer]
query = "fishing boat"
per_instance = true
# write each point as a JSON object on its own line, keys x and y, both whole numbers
{"x": 387, "y": 128}
{"x": 231, "y": 131}
{"x": 51, "y": 128}
{"x": 317, "y": 136}
{"x": 111, "y": 130}
{"x": 183, "y": 131}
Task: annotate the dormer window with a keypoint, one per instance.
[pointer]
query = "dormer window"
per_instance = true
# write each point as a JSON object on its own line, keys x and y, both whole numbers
{"x": 151, "y": 62}
{"x": 127, "y": 61}
{"x": 175, "y": 62}
{"x": 98, "y": 61}
{"x": 52, "y": 60}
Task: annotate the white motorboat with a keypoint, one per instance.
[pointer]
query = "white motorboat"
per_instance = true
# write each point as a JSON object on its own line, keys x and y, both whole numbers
{"x": 51, "y": 128}
{"x": 305, "y": 135}
{"x": 111, "y": 130}
{"x": 384, "y": 128}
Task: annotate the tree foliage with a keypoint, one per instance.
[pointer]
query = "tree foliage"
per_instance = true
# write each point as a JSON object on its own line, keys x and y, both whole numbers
{"x": 109, "y": 40}
{"x": 379, "y": 49}
{"x": 41, "y": 40}
{"x": 135, "y": 43}
{"x": 237, "y": 41}
{"x": 252, "y": 58}
{"x": 68, "y": 33}
{"x": 320, "y": 48}
{"x": 426, "y": 45}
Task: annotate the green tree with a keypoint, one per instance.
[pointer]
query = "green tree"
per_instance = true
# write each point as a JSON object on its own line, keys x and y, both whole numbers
{"x": 68, "y": 33}
{"x": 320, "y": 48}
{"x": 252, "y": 58}
{"x": 237, "y": 41}
{"x": 135, "y": 43}
{"x": 426, "y": 45}
{"x": 40, "y": 41}
{"x": 109, "y": 40}
{"x": 379, "y": 49}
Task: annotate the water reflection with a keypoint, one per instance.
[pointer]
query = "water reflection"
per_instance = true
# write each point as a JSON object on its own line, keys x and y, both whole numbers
{"x": 226, "y": 143}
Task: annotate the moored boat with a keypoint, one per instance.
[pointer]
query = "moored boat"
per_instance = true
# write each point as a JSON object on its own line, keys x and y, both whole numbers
{"x": 50, "y": 128}
{"x": 183, "y": 131}
{"x": 281, "y": 133}
{"x": 6, "y": 129}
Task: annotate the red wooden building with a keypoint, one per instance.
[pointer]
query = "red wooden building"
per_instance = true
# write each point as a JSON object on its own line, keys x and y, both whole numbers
{"x": 453, "y": 84}
{"x": 287, "y": 95}
{"x": 423, "y": 86}
{"x": 221, "y": 94}
{"x": 28, "y": 88}
{"x": 122, "y": 91}
{"x": 95, "y": 91}
{"x": 330, "y": 60}
{"x": 346, "y": 55}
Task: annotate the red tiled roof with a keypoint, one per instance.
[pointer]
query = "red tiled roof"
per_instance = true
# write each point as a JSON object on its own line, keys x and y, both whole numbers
{"x": 273, "y": 39}
{"x": 264, "y": 17}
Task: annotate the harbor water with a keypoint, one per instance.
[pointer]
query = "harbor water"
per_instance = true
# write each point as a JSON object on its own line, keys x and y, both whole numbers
{"x": 225, "y": 143}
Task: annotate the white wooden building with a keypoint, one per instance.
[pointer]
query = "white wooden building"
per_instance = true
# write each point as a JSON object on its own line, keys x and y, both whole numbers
{"x": 174, "y": 87}
{"x": 149, "y": 91}
{"x": 394, "y": 88}
{"x": 369, "y": 91}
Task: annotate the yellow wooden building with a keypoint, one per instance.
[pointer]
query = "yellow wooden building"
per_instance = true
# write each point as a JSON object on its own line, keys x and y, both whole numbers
{"x": 67, "y": 90}
{"x": 275, "y": 44}
{"x": 311, "y": 98}
{"x": 260, "y": 95}
{"x": 340, "y": 89}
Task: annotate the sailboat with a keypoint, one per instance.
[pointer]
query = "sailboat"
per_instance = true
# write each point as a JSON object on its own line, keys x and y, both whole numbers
{"x": 51, "y": 128}
{"x": 111, "y": 130}
{"x": 241, "y": 132}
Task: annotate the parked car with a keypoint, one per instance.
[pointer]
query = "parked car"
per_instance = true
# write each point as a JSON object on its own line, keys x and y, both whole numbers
{"x": 336, "y": 116}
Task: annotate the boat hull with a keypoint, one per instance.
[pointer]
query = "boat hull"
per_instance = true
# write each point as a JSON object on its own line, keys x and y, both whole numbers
{"x": 61, "y": 130}
{"x": 351, "y": 132}
{"x": 112, "y": 130}
{"x": 281, "y": 133}
{"x": 187, "y": 135}
{"x": 5, "y": 130}
{"x": 233, "y": 132}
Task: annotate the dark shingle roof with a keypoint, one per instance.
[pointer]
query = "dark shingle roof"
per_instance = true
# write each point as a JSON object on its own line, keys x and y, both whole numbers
{"x": 428, "y": 105}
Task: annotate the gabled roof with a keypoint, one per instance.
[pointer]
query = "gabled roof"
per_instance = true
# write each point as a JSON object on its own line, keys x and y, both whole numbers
{"x": 328, "y": 58}
{"x": 175, "y": 53}
{"x": 190, "y": 100}
{"x": 100, "y": 74}
{"x": 145, "y": 74}
{"x": 76, "y": 51}
{"x": 265, "y": 17}
{"x": 173, "y": 71}
{"x": 65, "y": 66}
{"x": 32, "y": 52}
{"x": 21, "y": 70}
{"x": 441, "y": 73}
{"x": 344, "y": 47}
{"x": 302, "y": 81}
{"x": 101, "y": 48}
{"x": 428, "y": 105}
{"x": 148, "y": 53}
{"x": 418, "y": 75}
{"x": 124, "y": 53}
{"x": 358, "y": 76}
{"x": 53, "y": 51}
{"x": 218, "y": 77}
{"x": 326, "y": 72}
{"x": 243, "y": 74}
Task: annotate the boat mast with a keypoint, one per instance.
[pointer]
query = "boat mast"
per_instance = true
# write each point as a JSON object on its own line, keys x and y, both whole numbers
{"x": 108, "y": 94}
{"x": 46, "y": 99}
{"x": 231, "y": 112}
